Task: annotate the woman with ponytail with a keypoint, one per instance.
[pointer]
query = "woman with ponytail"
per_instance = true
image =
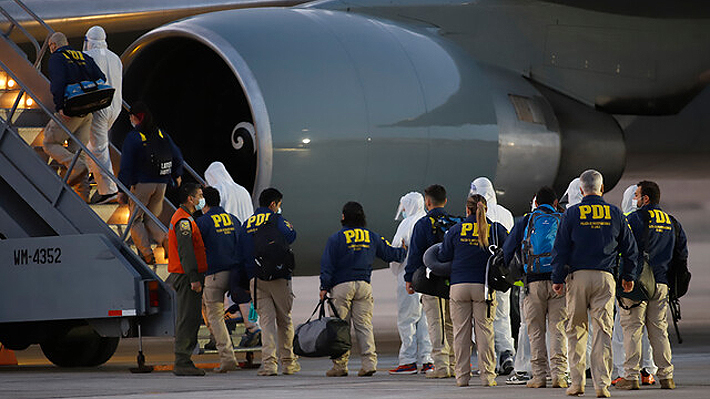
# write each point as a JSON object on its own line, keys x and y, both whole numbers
{"x": 467, "y": 246}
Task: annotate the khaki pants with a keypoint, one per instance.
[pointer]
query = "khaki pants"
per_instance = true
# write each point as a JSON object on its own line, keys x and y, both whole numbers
{"x": 541, "y": 306}
{"x": 54, "y": 137}
{"x": 437, "y": 313}
{"x": 216, "y": 285}
{"x": 590, "y": 291}
{"x": 144, "y": 229}
{"x": 468, "y": 304}
{"x": 189, "y": 318}
{"x": 654, "y": 315}
{"x": 353, "y": 301}
{"x": 274, "y": 300}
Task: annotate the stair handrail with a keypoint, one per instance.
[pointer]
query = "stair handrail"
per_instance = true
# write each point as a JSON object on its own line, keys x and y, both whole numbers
{"x": 185, "y": 165}
{"x": 39, "y": 50}
{"x": 82, "y": 147}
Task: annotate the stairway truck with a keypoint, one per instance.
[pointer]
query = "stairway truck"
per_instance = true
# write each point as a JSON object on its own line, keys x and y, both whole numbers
{"x": 76, "y": 296}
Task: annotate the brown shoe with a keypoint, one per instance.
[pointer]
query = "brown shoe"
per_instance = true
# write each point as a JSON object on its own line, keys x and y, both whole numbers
{"x": 336, "y": 373}
{"x": 537, "y": 382}
{"x": 223, "y": 368}
{"x": 559, "y": 382}
{"x": 627, "y": 384}
{"x": 188, "y": 371}
{"x": 291, "y": 369}
{"x": 266, "y": 373}
{"x": 365, "y": 373}
{"x": 575, "y": 390}
{"x": 461, "y": 382}
{"x": 603, "y": 393}
{"x": 667, "y": 383}
{"x": 437, "y": 373}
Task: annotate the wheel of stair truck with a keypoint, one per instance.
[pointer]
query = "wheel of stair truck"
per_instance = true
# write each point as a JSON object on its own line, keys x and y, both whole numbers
{"x": 80, "y": 346}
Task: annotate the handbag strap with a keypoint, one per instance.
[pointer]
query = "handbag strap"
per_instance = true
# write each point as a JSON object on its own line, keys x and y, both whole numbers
{"x": 320, "y": 308}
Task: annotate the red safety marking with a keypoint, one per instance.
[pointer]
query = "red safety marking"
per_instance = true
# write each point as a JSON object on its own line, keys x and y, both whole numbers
{"x": 115, "y": 313}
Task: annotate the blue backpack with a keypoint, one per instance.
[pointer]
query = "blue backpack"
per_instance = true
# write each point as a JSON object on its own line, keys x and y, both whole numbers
{"x": 539, "y": 238}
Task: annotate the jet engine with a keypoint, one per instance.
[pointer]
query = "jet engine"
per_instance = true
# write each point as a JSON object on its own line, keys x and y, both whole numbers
{"x": 331, "y": 107}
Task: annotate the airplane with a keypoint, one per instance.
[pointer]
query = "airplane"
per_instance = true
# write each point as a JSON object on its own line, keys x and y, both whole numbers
{"x": 366, "y": 100}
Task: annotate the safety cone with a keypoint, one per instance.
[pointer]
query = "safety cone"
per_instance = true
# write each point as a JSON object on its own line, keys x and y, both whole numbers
{"x": 7, "y": 357}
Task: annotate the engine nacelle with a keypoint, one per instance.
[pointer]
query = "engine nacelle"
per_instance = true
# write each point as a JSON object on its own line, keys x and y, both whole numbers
{"x": 344, "y": 107}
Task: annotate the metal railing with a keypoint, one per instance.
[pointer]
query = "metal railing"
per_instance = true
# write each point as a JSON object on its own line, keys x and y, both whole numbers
{"x": 39, "y": 50}
{"x": 82, "y": 147}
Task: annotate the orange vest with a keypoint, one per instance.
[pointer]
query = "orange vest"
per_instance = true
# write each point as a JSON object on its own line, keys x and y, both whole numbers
{"x": 174, "y": 265}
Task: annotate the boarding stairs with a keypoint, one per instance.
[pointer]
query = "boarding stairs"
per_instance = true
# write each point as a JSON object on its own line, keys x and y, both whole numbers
{"x": 39, "y": 212}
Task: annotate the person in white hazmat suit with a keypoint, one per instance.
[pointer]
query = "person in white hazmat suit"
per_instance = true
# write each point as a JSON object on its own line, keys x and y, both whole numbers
{"x": 411, "y": 320}
{"x": 110, "y": 64}
{"x": 504, "y": 345}
{"x": 649, "y": 368}
{"x": 235, "y": 198}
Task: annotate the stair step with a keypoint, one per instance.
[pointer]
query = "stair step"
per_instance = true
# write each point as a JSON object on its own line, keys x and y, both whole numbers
{"x": 105, "y": 211}
{"x": 29, "y": 134}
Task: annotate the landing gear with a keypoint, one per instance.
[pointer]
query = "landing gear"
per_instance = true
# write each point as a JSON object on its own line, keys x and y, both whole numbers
{"x": 80, "y": 346}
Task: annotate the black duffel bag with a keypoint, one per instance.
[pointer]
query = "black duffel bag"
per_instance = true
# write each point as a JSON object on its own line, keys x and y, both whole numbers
{"x": 430, "y": 284}
{"x": 325, "y": 336}
{"x": 645, "y": 285}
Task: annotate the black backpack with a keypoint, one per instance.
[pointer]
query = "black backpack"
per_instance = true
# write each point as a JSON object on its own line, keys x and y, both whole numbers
{"x": 272, "y": 254}
{"x": 678, "y": 273}
{"x": 159, "y": 153}
{"x": 432, "y": 284}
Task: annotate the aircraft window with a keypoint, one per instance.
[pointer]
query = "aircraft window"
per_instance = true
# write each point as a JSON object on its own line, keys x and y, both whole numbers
{"x": 527, "y": 109}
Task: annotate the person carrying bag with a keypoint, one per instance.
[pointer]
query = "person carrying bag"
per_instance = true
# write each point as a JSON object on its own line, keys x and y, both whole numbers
{"x": 324, "y": 336}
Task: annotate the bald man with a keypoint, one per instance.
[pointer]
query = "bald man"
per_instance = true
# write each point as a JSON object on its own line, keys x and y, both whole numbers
{"x": 67, "y": 66}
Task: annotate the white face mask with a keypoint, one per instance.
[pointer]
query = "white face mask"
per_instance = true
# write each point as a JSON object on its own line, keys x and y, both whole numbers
{"x": 200, "y": 204}
{"x": 278, "y": 211}
{"x": 635, "y": 203}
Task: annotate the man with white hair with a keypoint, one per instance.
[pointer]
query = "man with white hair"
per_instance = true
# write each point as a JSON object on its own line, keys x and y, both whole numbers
{"x": 110, "y": 64}
{"x": 590, "y": 237}
{"x": 504, "y": 345}
{"x": 67, "y": 66}
{"x": 411, "y": 320}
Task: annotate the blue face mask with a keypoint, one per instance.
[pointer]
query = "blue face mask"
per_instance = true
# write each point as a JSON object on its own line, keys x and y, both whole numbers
{"x": 200, "y": 204}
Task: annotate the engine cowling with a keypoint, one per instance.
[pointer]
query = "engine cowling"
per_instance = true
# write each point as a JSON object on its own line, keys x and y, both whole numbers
{"x": 343, "y": 107}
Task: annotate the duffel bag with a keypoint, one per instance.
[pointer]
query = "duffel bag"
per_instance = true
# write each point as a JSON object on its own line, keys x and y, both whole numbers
{"x": 85, "y": 97}
{"x": 325, "y": 336}
{"x": 427, "y": 283}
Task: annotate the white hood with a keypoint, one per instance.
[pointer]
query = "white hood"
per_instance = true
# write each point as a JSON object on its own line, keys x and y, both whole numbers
{"x": 496, "y": 213}
{"x": 110, "y": 64}
{"x": 412, "y": 204}
{"x": 235, "y": 199}
{"x": 574, "y": 195}
{"x": 627, "y": 205}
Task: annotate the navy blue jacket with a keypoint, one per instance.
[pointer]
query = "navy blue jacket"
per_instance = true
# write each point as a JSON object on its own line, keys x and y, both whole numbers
{"x": 591, "y": 236}
{"x": 422, "y": 238}
{"x": 251, "y": 225}
{"x": 136, "y": 166}
{"x": 220, "y": 234}
{"x": 468, "y": 259}
{"x": 349, "y": 254}
{"x": 661, "y": 239}
{"x": 515, "y": 242}
{"x": 67, "y": 66}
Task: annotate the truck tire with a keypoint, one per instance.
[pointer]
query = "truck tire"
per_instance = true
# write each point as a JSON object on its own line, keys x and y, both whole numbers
{"x": 80, "y": 346}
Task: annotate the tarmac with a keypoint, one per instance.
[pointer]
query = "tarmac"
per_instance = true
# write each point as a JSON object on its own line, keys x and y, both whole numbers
{"x": 36, "y": 377}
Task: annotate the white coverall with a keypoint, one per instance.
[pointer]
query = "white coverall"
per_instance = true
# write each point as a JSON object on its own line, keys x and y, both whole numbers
{"x": 411, "y": 320}
{"x": 497, "y": 213}
{"x": 110, "y": 64}
{"x": 235, "y": 199}
{"x": 617, "y": 338}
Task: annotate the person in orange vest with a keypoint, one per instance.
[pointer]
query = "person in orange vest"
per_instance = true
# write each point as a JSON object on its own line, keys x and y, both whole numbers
{"x": 187, "y": 264}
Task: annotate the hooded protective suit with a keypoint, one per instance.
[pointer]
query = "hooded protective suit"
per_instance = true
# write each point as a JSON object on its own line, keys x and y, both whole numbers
{"x": 235, "y": 199}
{"x": 411, "y": 321}
{"x": 504, "y": 344}
{"x": 628, "y": 205}
{"x": 110, "y": 64}
{"x": 496, "y": 213}
{"x": 574, "y": 193}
